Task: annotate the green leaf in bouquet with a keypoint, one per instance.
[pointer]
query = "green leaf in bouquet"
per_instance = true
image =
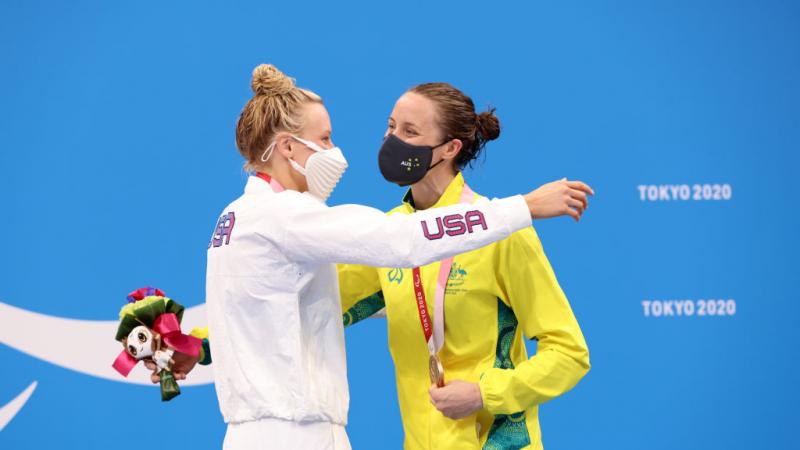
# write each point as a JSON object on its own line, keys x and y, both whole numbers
{"x": 169, "y": 387}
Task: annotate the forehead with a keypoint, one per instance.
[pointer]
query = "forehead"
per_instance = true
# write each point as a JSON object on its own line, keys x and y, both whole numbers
{"x": 416, "y": 109}
{"x": 316, "y": 119}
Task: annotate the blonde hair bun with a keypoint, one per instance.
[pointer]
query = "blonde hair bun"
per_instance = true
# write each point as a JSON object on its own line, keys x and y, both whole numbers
{"x": 268, "y": 80}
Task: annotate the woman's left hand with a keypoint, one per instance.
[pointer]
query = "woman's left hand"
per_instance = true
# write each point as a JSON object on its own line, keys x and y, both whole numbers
{"x": 559, "y": 198}
{"x": 182, "y": 365}
{"x": 457, "y": 399}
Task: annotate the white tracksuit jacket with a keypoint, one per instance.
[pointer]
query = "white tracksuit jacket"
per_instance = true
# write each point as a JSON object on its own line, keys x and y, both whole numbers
{"x": 272, "y": 292}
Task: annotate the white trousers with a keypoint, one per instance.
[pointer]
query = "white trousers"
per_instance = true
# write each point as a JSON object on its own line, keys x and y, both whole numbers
{"x": 283, "y": 434}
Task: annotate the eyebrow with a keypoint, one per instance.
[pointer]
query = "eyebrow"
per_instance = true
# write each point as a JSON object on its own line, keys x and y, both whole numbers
{"x": 408, "y": 123}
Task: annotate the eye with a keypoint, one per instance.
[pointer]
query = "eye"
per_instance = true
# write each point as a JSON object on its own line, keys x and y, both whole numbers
{"x": 142, "y": 337}
{"x": 132, "y": 350}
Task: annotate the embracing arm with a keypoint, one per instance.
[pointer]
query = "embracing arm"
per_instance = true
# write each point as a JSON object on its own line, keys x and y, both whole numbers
{"x": 362, "y": 235}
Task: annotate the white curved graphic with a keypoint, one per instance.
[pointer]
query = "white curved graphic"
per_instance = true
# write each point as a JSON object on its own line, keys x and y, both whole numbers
{"x": 11, "y": 409}
{"x": 85, "y": 346}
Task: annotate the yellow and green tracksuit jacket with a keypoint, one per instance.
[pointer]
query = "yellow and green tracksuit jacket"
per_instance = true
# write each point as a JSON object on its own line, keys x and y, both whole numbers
{"x": 496, "y": 296}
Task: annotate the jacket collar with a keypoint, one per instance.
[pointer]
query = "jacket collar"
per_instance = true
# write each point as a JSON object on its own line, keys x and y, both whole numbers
{"x": 256, "y": 185}
{"x": 451, "y": 195}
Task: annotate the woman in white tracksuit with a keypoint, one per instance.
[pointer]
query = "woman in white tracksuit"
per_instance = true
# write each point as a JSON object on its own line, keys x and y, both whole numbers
{"x": 271, "y": 288}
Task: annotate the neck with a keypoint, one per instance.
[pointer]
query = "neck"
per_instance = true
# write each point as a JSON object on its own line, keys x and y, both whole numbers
{"x": 281, "y": 176}
{"x": 427, "y": 191}
{"x": 285, "y": 180}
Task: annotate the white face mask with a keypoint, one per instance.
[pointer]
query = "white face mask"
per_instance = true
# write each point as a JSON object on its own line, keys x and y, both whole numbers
{"x": 323, "y": 169}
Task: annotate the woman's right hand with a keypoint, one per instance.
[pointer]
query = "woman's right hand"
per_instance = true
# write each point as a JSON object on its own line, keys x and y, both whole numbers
{"x": 559, "y": 198}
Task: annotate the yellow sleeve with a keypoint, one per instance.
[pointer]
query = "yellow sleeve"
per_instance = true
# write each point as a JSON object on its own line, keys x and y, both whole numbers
{"x": 360, "y": 290}
{"x": 199, "y": 332}
{"x": 562, "y": 358}
{"x": 205, "y": 350}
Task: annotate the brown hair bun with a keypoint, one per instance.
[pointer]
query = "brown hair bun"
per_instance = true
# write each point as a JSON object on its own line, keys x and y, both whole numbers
{"x": 488, "y": 126}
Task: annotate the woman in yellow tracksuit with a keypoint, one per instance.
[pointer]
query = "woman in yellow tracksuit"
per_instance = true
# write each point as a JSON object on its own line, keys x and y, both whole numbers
{"x": 495, "y": 297}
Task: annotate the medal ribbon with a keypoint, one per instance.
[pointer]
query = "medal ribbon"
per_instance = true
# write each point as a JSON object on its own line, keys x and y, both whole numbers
{"x": 434, "y": 335}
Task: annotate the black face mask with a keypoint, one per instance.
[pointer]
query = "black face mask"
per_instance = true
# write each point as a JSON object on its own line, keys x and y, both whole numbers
{"x": 403, "y": 163}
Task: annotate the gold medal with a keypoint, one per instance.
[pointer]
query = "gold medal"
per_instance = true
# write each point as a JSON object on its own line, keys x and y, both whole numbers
{"x": 436, "y": 371}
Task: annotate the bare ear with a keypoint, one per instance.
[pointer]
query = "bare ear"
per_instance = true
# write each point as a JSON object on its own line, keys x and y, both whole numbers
{"x": 282, "y": 146}
{"x": 452, "y": 148}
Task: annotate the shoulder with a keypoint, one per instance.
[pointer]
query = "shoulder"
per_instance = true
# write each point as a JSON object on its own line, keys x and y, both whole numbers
{"x": 298, "y": 198}
{"x": 286, "y": 204}
{"x": 399, "y": 209}
{"x": 525, "y": 240}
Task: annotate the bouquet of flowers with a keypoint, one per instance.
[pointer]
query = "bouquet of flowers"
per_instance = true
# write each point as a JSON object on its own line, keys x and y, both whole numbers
{"x": 150, "y": 329}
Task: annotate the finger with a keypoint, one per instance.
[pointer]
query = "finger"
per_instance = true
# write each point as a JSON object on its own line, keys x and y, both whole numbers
{"x": 180, "y": 376}
{"x": 580, "y": 195}
{"x": 572, "y": 213}
{"x": 581, "y": 186}
{"x": 150, "y": 365}
{"x": 155, "y": 378}
{"x": 576, "y": 204}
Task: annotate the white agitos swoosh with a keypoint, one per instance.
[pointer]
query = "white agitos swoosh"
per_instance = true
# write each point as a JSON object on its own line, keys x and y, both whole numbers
{"x": 85, "y": 346}
{"x": 11, "y": 409}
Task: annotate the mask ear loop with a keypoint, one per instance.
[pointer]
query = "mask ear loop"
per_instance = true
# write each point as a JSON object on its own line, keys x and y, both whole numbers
{"x": 308, "y": 144}
{"x": 268, "y": 153}
{"x": 441, "y": 160}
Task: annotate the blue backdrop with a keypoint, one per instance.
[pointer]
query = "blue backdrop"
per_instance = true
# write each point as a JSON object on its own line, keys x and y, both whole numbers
{"x": 117, "y": 153}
